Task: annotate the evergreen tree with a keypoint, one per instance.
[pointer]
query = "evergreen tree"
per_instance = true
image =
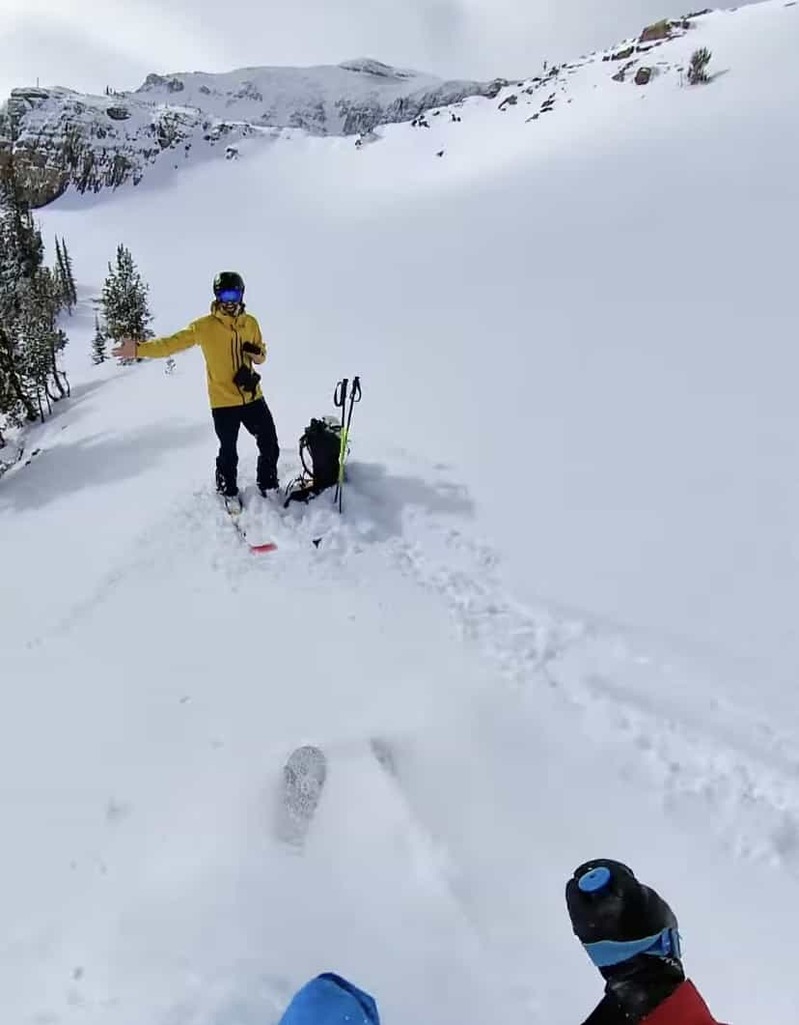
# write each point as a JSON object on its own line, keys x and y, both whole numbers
{"x": 21, "y": 254}
{"x": 60, "y": 269}
{"x": 64, "y": 276}
{"x": 61, "y": 274}
{"x": 16, "y": 403}
{"x": 99, "y": 351}
{"x": 39, "y": 341}
{"x": 69, "y": 277}
{"x": 23, "y": 240}
{"x": 30, "y": 301}
{"x": 697, "y": 69}
{"x": 54, "y": 339}
{"x": 124, "y": 299}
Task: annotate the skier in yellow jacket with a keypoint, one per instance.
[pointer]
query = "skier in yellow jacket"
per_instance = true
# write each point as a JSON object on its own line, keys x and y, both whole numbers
{"x": 231, "y": 342}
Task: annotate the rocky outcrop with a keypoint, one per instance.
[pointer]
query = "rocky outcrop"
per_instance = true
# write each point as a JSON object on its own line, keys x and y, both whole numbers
{"x": 652, "y": 33}
{"x": 652, "y": 38}
{"x": 171, "y": 85}
{"x": 61, "y": 139}
{"x": 667, "y": 28}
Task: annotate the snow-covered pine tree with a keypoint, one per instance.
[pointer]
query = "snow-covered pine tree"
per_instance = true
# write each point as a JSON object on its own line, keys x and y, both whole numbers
{"x": 99, "y": 350}
{"x": 21, "y": 254}
{"x": 69, "y": 277}
{"x": 34, "y": 351}
{"x": 30, "y": 301}
{"x": 62, "y": 274}
{"x": 15, "y": 402}
{"x": 124, "y": 299}
{"x": 22, "y": 232}
{"x": 697, "y": 69}
{"x": 40, "y": 340}
{"x": 51, "y": 305}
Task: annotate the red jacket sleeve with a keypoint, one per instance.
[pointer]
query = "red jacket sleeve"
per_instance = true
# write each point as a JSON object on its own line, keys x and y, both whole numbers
{"x": 684, "y": 1007}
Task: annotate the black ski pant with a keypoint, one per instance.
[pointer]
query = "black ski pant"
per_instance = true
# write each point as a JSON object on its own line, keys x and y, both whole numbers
{"x": 258, "y": 420}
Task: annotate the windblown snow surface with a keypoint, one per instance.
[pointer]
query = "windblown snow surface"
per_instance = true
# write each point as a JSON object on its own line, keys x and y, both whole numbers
{"x": 564, "y": 589}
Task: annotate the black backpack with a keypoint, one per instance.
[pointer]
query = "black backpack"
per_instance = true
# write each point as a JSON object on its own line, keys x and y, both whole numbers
{"x": 320, "y": 452}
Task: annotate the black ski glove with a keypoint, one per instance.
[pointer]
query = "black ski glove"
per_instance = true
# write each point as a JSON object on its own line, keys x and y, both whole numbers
{"x": 630, "y": 933}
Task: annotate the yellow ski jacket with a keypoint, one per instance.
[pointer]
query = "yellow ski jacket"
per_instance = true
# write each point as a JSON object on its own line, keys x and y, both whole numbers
{"x": 221, "y": 339}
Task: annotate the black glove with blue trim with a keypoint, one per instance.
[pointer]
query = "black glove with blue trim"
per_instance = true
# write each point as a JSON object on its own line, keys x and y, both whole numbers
{"x": 630, "y": 934}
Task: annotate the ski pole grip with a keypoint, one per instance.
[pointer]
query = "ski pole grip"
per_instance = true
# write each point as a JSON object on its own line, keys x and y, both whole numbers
{"x": 356, "y": 389}
{"x": 340, "y": 394}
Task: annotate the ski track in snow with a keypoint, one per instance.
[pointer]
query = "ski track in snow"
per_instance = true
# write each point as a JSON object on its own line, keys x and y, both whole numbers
{"x": 743, "y": 772}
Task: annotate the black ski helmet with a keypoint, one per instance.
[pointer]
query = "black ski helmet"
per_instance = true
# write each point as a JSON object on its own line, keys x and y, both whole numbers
{"x": 228, "y": 279}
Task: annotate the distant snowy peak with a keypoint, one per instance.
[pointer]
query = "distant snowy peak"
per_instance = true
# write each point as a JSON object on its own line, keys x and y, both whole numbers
{"x": 342, "y": 99}
{"x": 320, "y": 76}
{"x": 60, "y": 138}
{"x": 367, "y": 66}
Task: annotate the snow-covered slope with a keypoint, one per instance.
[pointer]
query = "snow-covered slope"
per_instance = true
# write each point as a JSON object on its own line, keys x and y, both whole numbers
{"x": 61, "y": 138}
{"x": 564, "y": 588}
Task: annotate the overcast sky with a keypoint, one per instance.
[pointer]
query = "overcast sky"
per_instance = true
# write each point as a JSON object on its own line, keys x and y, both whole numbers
{"x": 87, "y": 45}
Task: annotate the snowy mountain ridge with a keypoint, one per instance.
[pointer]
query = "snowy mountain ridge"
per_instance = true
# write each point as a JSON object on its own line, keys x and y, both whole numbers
{"x": 59, "y": 137}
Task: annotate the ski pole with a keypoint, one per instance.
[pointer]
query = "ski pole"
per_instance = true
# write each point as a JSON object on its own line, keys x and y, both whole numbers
{"x": 355, "y": 396}
{"x": 340, "y": 397}
{"x": 340, "y": 401}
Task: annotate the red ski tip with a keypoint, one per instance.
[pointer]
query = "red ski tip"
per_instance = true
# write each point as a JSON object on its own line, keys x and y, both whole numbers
{"x": 270, "y": 546}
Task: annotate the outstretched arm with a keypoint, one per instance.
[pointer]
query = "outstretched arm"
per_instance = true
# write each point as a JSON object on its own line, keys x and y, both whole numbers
{"x": 128, "y": 348}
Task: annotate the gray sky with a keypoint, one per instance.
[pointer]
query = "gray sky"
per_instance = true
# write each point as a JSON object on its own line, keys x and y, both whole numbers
{"x": 86, "y": 44}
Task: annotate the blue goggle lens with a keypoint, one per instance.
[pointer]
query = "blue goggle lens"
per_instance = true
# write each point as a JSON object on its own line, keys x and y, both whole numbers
{"x": 607, "y": 953}
{"x": 230, "y": 295}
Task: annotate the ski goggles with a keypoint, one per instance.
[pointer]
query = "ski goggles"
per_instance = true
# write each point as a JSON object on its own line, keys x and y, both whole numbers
{"x": 230, "y": 295}
{"x": 607, "y": 953}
